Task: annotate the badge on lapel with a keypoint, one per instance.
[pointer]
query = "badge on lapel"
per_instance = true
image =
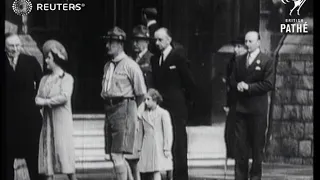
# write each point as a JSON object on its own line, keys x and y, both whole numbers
{"x": 258, "y": 61}
{"x": 172, "y": 67}
{"x": 258, "y": 68}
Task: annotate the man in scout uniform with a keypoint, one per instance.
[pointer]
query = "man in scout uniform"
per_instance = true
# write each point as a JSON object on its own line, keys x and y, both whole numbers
{"x": 123, "y": 88}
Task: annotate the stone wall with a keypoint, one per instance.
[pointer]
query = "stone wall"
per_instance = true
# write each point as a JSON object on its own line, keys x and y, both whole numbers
{"x": 292, "y": 106}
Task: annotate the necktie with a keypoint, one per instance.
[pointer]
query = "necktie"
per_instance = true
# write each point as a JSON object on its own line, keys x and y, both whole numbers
{"x": 12, "y": 63}
{"x": 110, "y": 72}
{"x": 161, "y": 60}
{"x": 248, "y": 60}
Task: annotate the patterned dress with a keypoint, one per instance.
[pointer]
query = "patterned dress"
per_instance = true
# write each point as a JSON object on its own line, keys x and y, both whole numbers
{"x": 56, "y": 148}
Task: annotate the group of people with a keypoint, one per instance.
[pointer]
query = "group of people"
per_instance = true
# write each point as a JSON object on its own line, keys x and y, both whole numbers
{"x": 39, "y": 124}
{"x": 145, "y": 103}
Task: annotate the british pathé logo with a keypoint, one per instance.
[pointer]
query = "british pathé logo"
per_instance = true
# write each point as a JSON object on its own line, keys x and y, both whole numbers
{"x": 294, "y": 25}
{"x": 22, "y": 7}
{"x": 297, "y": 4}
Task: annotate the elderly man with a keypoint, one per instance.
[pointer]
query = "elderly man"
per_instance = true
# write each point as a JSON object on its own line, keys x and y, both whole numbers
{"x": 142, "y": 55}
{"x": 173, "y": 78}
{"x": 123, "y": 89}
{"x": 23, "y": 119}
{"x": 253, "y": 77}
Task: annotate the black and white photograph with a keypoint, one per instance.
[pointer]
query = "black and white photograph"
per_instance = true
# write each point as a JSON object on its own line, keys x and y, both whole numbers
{"x": 158, "y": 90}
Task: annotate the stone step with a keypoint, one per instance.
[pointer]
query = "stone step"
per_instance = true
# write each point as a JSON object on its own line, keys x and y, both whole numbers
{"x": 103, "y": 165}
{"x": 205, "y": 144}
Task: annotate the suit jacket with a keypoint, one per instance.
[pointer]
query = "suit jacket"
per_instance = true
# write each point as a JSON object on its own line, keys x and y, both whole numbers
{"x": 152, "y": 28}
{"x": 174, "y": 80}
{"x": 260, "y": 78}
{"x": 23, "y": 119}
{"x": 145, "y": 66}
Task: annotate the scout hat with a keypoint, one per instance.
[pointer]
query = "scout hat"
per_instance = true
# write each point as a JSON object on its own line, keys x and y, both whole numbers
{"x": 115, "y": 34}
{"x": 140, "y": 32}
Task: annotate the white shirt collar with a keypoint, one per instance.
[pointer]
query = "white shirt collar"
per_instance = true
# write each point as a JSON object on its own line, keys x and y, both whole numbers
{"x": 166, "y": 52}
{"x": 151, "y": 22}
{"x": 15, "y": 60}
{"x": 255, "y": 53}
{"x": 143, "y": 52}
{"x": 119, "y": 57}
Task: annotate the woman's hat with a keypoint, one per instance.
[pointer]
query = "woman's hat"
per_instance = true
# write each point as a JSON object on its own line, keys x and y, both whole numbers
{"x": 115, "y": 34}
{"x": 56, "y": 47}
{"x": 140, "y": 32}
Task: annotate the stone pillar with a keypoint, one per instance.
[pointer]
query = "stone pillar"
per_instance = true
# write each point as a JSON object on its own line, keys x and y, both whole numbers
{"x": 292, "y": 107}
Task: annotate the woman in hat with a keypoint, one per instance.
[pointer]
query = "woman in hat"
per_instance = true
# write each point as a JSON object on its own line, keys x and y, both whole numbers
{"x": 56, "y": 149}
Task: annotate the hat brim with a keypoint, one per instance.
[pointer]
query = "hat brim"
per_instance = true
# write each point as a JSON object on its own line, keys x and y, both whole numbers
{"x": 115, "y": 38}
{"x": 141, "y": 37}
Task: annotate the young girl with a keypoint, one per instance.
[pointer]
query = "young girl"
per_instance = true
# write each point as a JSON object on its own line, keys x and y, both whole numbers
{"x": 157, "y": 136}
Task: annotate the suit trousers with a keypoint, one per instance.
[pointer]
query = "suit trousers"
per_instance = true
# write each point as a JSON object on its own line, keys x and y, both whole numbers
{"x": 179, "y": 149}
{"x": 250, "y": 133}
{"x": 30, "y": 152}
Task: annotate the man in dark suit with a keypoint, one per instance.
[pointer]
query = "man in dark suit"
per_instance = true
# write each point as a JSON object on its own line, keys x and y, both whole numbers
{"x": 142, "y": 55}
{"x": 173, "y": 79}
{"x": 149, "y": 16}
{"x": 253, "y": 77}
{"x": 23, "y": 119}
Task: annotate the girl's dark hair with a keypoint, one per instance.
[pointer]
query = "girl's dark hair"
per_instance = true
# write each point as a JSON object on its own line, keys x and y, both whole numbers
{"x": 155, "y": 95}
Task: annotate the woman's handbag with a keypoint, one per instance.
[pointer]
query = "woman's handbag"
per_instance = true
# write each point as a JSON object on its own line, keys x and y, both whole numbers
{"x": 20, "y": 170}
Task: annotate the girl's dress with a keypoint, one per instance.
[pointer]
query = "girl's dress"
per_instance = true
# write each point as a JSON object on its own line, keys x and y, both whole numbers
{"x": 157, "y": 137}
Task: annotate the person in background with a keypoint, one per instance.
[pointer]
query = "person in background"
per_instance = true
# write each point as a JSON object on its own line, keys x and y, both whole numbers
{"x": 22, "y": 118}
{"x": 149, "y": 19}
{"x": 123, "y": 89}
{"x": 56, "y": 148}
{"x": 229, "y": 108}
{"x": 142, "y": 55}
{"x": 157, "y": 137}
{"x": 253, "y": 77}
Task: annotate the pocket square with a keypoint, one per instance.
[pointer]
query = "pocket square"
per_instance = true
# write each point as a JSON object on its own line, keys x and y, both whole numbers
{"x": 172, "y": 67}
{"x": 258, "y": 68}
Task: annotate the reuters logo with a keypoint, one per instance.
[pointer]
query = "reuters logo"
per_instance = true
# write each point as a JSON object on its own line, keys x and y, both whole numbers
{"x": 22, "y": 7}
